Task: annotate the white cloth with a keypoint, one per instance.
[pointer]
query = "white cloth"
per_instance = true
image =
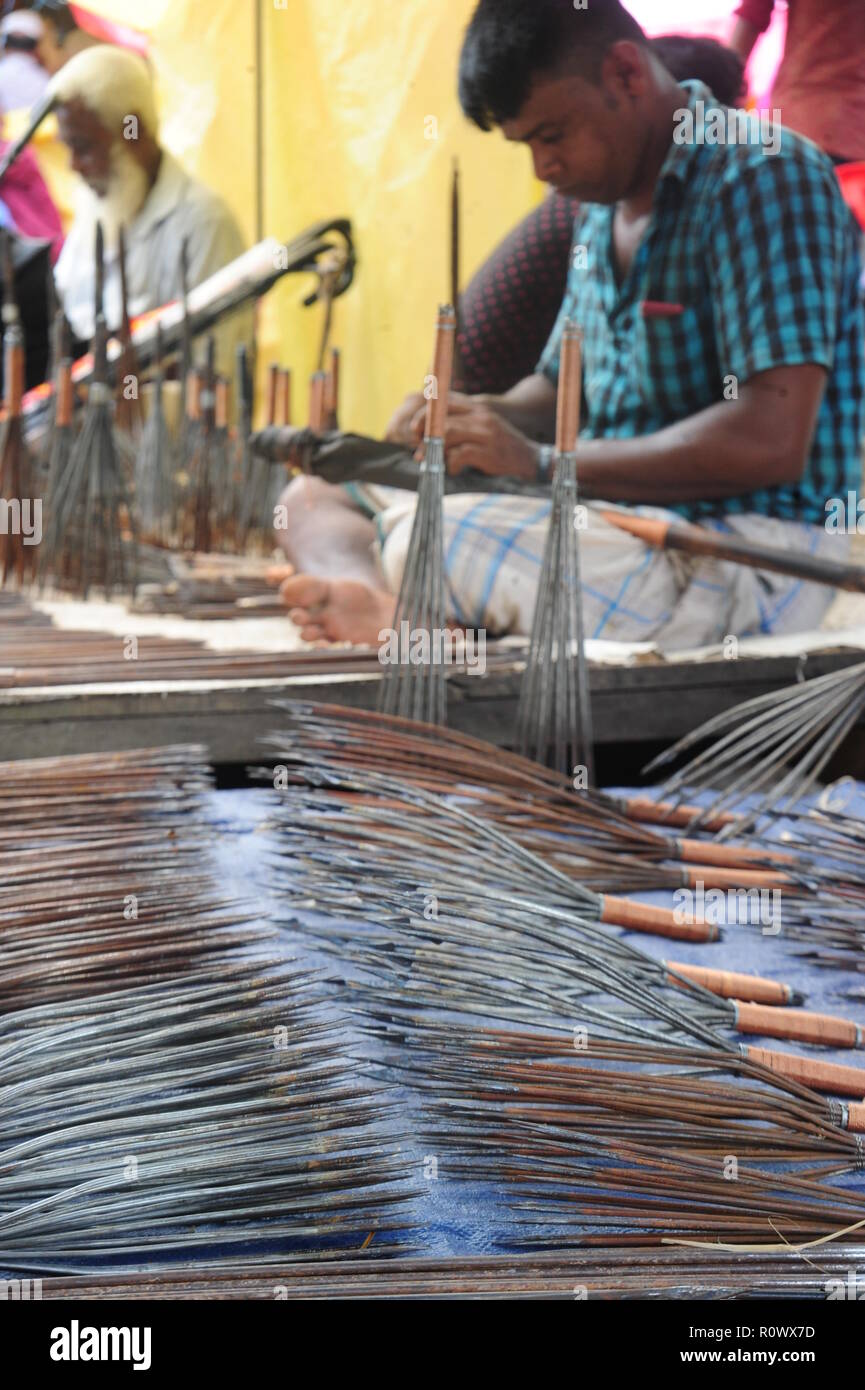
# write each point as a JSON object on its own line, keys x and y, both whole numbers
{"x": 177, "y": 206}
{"x": 22, "y": 81}
{"x": 494, "y": 544}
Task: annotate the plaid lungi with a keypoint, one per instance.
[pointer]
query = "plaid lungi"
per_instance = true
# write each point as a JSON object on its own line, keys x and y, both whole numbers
{"x": 493, "y": 547}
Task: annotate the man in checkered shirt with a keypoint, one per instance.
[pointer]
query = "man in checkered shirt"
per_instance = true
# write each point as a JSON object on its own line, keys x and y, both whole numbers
{"x": 714, "y": 278}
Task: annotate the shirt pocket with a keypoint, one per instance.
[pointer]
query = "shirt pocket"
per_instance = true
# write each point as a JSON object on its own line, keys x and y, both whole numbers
{"x": 672, "y": 369}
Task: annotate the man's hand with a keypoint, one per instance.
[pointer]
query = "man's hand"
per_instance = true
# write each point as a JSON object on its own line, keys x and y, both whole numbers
{"x": 477, "y": 437}
{"x": 408, "y": 423}
{"x": 403, "y": 426}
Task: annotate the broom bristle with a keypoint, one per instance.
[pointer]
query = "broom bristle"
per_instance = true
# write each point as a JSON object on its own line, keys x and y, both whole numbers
{"x": 554, "y": 716}
{"x": 413, "y": 685}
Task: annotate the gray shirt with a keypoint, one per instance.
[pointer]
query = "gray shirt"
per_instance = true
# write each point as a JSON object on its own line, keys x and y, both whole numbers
{"x": 177, "y": 206}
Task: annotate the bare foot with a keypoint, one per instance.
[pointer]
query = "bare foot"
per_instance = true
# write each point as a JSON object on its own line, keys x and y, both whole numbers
{"x": 277, "y": 574}
{"x": 337, "y": 610}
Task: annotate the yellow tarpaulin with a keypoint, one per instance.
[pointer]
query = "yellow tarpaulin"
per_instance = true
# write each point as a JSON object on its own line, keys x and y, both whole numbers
{"x": 359, "y": 118}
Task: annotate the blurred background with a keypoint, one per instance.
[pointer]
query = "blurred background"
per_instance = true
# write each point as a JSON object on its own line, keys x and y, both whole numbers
{"x": 296, "y": 110}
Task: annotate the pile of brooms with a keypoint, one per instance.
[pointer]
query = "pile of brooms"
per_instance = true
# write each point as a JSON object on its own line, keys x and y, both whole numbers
{"x": 591, "y": 1092}
{"x": 171, "y": 1094}
{"x": 595, "y": 1086}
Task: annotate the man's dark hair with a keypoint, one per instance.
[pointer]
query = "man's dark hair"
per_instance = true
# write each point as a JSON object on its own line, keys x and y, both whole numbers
{"x": 57, "y": 12}
{"x": 508, "y": 42}
{"x": 19, "y": 43}
{"x": 685, "y": 55}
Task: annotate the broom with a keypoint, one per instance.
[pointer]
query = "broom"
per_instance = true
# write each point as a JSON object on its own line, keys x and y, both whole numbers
{"x": 554, "y": 714}
{"x": 202, "y": 460}
{"x": 245, "y": 460}
{"x": 414, "y": 682}
{"x": 86, "y": 541}
{"x": 317, "y": 393}
{"x": 696, "y": 540}
{"x": 155, "y": 465}
{"x": 331, "y": 394}
{"x": 222, "y": 487}
{"x": 127, "y": 414}
{"x": 62, "y": 433}
{"x": 16, "y": 469}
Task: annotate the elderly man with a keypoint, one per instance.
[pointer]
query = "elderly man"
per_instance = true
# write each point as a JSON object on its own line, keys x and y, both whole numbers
{"x": 107, "y": 118}
{"x": 715, "y": 284}
{"x": 66, "y": 30}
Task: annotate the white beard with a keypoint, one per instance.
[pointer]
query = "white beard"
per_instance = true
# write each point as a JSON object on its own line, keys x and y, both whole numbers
{"x": 126, "y": 196}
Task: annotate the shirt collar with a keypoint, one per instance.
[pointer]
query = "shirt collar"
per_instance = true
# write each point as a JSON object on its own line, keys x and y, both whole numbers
{"x": 168, "y": 190}
{"x": 679, "y": 158}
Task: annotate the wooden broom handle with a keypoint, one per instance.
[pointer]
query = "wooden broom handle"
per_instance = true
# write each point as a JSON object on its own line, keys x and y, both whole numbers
{"x": 643, "y": 808}
{"x": 220, "y": 418}
{"x": 193, "y": 395}
{"x": 656, "y": 921}
{"x": 712, "y": 877}
{"x": 63, "y": 412}
{"x": 570, "y": 386}
{"x": 285, "y": 396}
{"x": 14, "y": 370}
{"x": 443, "y": 361}
{"x": 731, "y": 856}
{"x": 316, "y": 401}
{"x": 272, "y": 389}
{"x": 797, "y": 1025}
{"x": 731, "y": 984}
{"x": 331, "y": 393}
{"x": 856, "y": 1118}
{"x": 830, "y": 1078}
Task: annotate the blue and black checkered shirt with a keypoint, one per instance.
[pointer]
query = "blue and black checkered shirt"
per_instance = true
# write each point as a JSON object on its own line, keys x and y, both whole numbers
{"x": 750, "y": 261}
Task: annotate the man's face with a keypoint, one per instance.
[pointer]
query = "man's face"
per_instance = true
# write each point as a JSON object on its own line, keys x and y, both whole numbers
{"x": 90, "y": 144}
{"x": 49, "y": 52}
{"x": 586, "y": 138}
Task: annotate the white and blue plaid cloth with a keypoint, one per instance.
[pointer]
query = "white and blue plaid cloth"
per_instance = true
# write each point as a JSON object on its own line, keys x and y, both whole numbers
{"x": 631, "y": 592}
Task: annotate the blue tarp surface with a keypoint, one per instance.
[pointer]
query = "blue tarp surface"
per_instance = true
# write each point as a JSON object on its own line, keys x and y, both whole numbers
{"x": 458, "y": 1217}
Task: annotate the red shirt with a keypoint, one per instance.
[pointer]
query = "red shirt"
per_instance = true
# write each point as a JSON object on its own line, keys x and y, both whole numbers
{"x": 820, "y": 87}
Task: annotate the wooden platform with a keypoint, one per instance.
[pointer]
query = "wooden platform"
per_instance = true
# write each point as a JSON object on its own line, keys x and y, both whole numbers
{"x": 635, "y": 704}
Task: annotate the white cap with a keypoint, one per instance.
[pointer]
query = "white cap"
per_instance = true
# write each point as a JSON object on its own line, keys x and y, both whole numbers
{"x": 23, "y": 22}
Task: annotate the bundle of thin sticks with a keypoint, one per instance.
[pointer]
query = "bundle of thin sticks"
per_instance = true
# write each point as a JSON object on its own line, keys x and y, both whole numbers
{"x": 62, "y": 432}
{"x": 89, "y": 539}
{"x": 36, "y": 652}
{"x": 414, "y": 680}
{"x": 631, "y": 1144}
{"x": 665, "y": 1271}
{"x": 613, "y": 1125}
{"x": 554, "y": 720}
{"x": 156, "y": 466}
{"x": 17, "y": 474}
{"x": 521, "y": 940}
{"x": 611, "y": 845}
{"x": 103, "y": 878}
{"x": 768, "y": 752}
{"x": 261, "y": 482}
{"x": 198, "y": 532}
{"x": 605, "y": 842}
{"x": 127, "y": 393}
{"x": 168, "y": 1091}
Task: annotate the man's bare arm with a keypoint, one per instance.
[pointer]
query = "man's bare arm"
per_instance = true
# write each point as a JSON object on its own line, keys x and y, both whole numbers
{"x": 759, "y": 441}
{"x": 530, "y": 407}
{"x": 743, "y": 38}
